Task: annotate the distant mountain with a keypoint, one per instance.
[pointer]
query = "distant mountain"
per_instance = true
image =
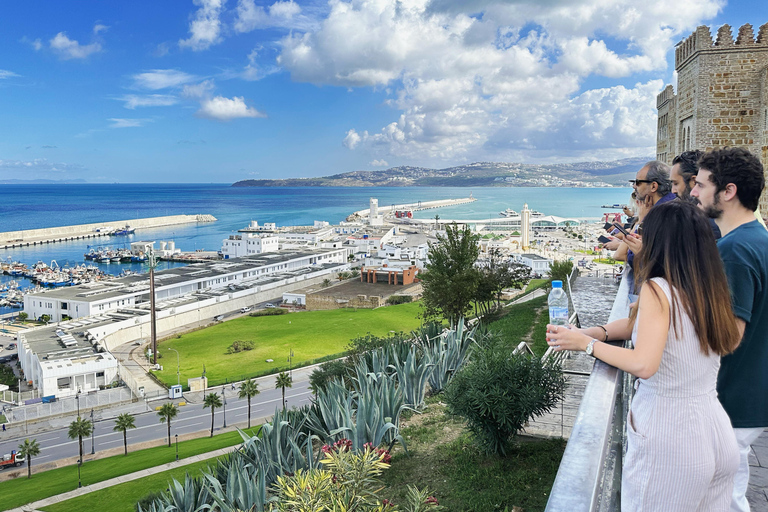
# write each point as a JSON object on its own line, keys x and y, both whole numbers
{"x": 42, "y": 182}
{"x": 479, "y": 174}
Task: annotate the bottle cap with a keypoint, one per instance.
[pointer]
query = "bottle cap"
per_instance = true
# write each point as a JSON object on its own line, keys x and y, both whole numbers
{"x": 557, "y": 284}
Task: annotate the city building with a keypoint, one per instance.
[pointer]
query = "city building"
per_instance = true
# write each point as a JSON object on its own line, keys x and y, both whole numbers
{"x": 237, "y": 246}
{"x": 721, "y": 97}
{"x": 538, "y": 264}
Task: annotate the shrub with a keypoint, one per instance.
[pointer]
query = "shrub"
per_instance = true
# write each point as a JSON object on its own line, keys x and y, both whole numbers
{"x": 240, "y": 346}
{"x": 497, "y": 393}
{"x": 560, "y": 270}
{"x": 328, "y": 371}
{"x": 23, "y": 316}
{"x": 146, "y": 502}
{"x": 393, "y": 300}
{"x": 269, "y": 312}
{"x": 362, "y": 344}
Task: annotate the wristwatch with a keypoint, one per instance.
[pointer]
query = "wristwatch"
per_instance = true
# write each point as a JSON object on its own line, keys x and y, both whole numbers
{"x": 590, "y": 347}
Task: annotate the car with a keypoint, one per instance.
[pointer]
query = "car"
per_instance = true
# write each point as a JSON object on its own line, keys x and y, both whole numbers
{"x": 269, "y": 305}
{"x": 11, "y": 346}
{"x": 219, "y": 318}
{"x": 245, "y": 309}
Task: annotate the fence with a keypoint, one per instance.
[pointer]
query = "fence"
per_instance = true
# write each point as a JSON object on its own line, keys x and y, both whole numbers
{"x": 12, "y": 397}
{"x": 69, "y": 405}
{"x": 589, "y": 477}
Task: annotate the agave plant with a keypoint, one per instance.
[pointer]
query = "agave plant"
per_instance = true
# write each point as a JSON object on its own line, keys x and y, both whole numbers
{"x": 189, "y": 496}
{"x": 448, "y": 352}
{"x": 413, "y": 373}
{"x": 239, "y": 491}
{"x": 332, "y": 412}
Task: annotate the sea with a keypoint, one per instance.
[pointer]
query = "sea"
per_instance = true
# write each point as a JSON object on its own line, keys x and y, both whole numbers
{"x": 48, "y": 205}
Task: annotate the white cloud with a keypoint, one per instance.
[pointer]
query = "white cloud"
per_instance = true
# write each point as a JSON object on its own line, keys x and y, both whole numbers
{"x": 197, "y": 91}
{"x": 255, "y": 71}
{"x": 97, "y": 28}
{"x": 133, "y": 101}
{"x": 162, "y": 79}
{"x": 280, "y": 14}
{"x": 205, "y": 28}
{"x": 352, "y": 139}
{"x": 220, "y": 108}
{"x": 482, "y": 78}
{"x": 128, "y": 123}
{"x": 38, "y": 164}
{"x": 4, "y": 74}
{"x": 378, "y": 163}
{"x": 67, "y": 48}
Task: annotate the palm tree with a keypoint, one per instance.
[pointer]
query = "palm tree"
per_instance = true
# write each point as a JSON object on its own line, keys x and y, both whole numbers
{"x": 79, "y": 429}
{"x": 283, "y": 381}
{"x": 29, "y": 449}
{"x": 122, "y": 424}
{"x": 213, "y": 401}
{"x": 249, "y": 389}
{"x": 167, "y": 412}
{"x": 437, "y": 222}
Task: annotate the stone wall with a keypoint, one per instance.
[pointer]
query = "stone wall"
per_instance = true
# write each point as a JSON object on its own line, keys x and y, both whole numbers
{"x": 721, "y": 95}
{"x": 318, "y": 302}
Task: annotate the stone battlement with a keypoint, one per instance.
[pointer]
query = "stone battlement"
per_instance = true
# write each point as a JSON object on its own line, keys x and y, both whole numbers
{"x": 701, "y": 39}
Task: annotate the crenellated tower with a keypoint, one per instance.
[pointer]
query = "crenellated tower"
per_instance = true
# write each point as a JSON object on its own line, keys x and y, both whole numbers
{"x": 721, "y": 98}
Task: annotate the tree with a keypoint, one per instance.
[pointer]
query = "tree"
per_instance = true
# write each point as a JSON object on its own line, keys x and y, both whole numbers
{"x": 29, "y": 449}
{"x": 326, "y": 283}
{"x": 45, "y": 319}
{"x": 283, "y": 381}
{"x": 560, "y": 270}
{"x": 451, "y": 278}
{"x": 122, "y": 424}
{"x": 437, "y": 222}
{"x": 213, "y": 401}
{"x": 249, "y": 389}
{"x": 342, "y": 276}
{"x": 23, "y": 316}
{"x": 79, "y": 429}
{"x": 497, "y": 275}
{"x": 167, "y": 412}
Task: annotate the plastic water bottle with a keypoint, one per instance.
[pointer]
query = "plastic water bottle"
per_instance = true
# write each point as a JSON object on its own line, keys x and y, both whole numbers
{"x": 558, "y": 304}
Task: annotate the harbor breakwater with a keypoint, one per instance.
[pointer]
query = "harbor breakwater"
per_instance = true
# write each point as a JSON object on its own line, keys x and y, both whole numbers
{"x": 417, "y": 206}
{"x": 31, "y": 237}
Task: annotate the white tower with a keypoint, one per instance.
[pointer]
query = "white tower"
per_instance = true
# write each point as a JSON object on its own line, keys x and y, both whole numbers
{"x": 526, "y": 226}
{"x": 373, "y": 214}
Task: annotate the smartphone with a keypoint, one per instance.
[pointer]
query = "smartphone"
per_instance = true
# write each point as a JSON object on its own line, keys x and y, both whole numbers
{"x": 603, "y": 239}
{"x": 607, "y": 226}
{"x": 640, "y": 230}
{"x": 621, "y": 229}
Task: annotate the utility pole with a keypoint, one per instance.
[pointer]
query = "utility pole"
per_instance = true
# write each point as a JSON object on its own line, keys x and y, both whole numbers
{"x": 152, "y": 262}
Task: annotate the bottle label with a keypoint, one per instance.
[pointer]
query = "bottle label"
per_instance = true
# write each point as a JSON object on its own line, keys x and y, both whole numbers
{"x": 558, "y": 315}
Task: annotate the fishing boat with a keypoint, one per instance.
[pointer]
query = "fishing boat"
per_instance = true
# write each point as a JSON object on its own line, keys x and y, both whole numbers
{"x": 127, "y": 230}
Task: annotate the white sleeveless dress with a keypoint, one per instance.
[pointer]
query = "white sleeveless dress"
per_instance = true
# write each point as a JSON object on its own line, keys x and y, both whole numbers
{"x": 681, "y": 449}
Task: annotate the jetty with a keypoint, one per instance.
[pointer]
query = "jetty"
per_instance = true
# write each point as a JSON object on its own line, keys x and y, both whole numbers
{"x": 32, "y": 237}
{"x": 415, "y": 207}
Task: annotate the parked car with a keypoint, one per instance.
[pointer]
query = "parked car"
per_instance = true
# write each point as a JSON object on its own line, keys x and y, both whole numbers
{"x": 218, "y": 318}
{"x": 11, "y": 346}
{"x": 245, "y": 309}
{"x": 269, "y": 305}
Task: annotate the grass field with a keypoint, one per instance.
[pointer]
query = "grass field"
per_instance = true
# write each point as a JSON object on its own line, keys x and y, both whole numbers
{"x": 525, "y": 322}
{"x": 123, "y": 497}
{"x": 311, "y": 335}
{"x": 20, "y": 491}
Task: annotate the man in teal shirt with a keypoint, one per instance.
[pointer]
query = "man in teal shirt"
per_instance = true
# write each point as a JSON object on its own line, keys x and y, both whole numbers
{"x": 728, "y": 187}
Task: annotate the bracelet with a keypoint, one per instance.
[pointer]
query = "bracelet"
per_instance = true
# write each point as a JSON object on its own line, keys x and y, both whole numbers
{"x": 604, "y": 331}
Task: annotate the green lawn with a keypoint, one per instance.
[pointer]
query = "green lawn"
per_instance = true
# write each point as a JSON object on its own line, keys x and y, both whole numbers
{"x": 311, "y": 335}
{"x": 526, "y": 321}
{"x": 20, "y": 491}
{"x": 123, "y": 497}
{"x": 535, "y": 283}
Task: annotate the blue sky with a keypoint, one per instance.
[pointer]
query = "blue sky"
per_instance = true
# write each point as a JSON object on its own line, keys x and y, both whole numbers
{"x": 223, "y": 90}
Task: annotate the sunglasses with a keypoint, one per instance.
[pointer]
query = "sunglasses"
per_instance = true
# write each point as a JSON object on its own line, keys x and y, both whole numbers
{"x": 638, "y": 182}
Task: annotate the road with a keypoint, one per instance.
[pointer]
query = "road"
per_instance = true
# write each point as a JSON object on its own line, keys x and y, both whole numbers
{"x": 56, "y": 445}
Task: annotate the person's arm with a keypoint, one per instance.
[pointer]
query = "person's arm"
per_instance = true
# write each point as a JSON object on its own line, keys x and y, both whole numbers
{"x": 634, "y": 242}
{"x": 621, "y": 252}
{"x": 643, "y": 361}
{"x": 617, "y": 330}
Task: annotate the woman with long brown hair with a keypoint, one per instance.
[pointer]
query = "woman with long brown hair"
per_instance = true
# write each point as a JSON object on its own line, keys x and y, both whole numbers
{"x": 681, "y": 450}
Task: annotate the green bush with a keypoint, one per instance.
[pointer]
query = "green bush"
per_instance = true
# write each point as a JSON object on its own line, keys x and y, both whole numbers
{"x": 23, "y": 316}
{"x": 240, "y": 346}
{"x": 399, "y": 299}
{"x": 328, "y": 371}
{"x": 269, "y": 312}
{"x": 496, "y": 393}
{"x": 362, "y": 344}
{"x": 145, "y": 502}
{"x": 560, "y": 270}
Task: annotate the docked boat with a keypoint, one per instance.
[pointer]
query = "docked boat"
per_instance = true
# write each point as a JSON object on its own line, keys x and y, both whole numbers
{"x": 127, "y": 230}
{"x": 509, "y": 212}
{"x": 615, "y": 206}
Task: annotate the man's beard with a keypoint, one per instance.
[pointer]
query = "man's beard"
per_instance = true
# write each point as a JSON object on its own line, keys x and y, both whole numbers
{"x": 712, "y": 211}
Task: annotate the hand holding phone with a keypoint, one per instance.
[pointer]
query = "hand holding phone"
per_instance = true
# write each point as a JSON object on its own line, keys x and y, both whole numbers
{"x": 621, "y": 229}
{"x": 603, "y": 239}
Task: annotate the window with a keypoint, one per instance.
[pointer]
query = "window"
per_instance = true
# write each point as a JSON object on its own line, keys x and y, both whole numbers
{"x": 99, "y": 374}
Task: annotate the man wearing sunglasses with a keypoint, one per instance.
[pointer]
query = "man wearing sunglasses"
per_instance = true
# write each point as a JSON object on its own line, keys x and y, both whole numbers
{"x": 652, "y": 184}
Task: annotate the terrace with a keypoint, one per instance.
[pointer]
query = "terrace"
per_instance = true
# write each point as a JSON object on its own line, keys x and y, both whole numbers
{"x": 589, "y": 478}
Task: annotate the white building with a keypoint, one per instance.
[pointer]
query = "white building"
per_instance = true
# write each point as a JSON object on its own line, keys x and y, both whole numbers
{"x": 238, "y": 246}
{"x": 537, "y": 264}
{"x": 126, "y": 292}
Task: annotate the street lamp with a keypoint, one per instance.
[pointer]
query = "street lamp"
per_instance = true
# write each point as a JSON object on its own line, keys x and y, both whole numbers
{"x": 93, "y": 434}
{"x": 177, "y": 445}
{"x": 225, "y": 406}
{"x": 178, "y": 363}
{"x": 78, "y": 401}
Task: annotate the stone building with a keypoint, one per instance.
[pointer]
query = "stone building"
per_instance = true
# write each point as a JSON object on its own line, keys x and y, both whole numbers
{"x": 722, "y": 96}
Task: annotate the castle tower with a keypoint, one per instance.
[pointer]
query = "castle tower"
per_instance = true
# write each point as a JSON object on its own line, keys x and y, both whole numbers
{"x": 525, "y": 215}
{"x": 722, "y": 96}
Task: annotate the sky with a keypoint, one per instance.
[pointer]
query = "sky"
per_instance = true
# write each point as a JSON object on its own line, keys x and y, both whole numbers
{"x": 216, "y": 91}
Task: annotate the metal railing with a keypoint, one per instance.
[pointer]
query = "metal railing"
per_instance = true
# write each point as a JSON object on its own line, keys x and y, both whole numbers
{"x": 589, "y": 478}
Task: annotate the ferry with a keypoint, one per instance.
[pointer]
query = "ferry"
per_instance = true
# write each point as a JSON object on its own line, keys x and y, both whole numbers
{"x": 509, "y": 212}
{"x": 614, "y": 206}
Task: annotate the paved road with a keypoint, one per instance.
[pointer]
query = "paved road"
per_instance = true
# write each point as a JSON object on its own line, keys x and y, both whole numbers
{"x": 55, "y": 445}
